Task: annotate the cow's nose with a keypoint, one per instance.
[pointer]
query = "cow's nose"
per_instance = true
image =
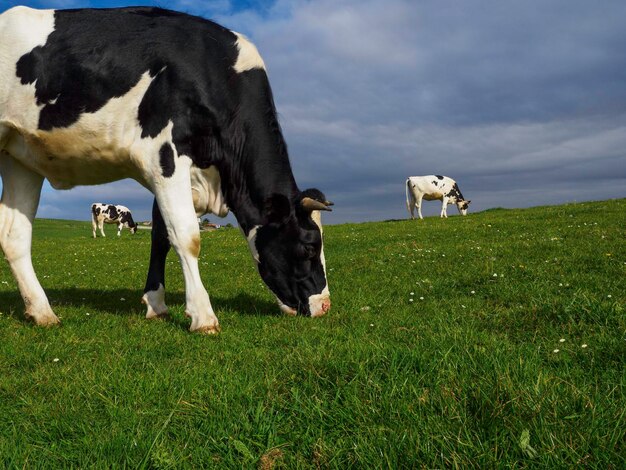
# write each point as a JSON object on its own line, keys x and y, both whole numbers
{"x": 320, "y": 307}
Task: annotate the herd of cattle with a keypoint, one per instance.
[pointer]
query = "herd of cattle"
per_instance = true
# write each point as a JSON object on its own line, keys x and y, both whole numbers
{"x": 90, "y": 96}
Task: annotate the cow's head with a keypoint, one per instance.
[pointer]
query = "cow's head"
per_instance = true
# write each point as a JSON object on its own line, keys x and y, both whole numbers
{"x": 289, "y": 252}
{"x": 129, "y": 223}
{"x": 462, "y": 206}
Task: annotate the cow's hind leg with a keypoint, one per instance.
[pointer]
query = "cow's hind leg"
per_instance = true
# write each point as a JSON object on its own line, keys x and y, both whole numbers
{"x": 419, "y": 206}
{"x": 410, "y": 205}
{"x": 21, "y": 189}
{"x": 173, "y": 195}
{"x": 154, "y": 292}
{"x": 101, "y": 227}
{"x": 94, "y": 225}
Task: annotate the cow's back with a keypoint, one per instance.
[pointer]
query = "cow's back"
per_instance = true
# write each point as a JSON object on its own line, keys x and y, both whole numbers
{"x": 431, "y": 187}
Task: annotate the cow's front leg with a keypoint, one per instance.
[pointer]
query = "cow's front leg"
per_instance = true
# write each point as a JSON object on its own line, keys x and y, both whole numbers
{"x": 444, "y": 207}
{"x": 20, "y": 197}
{"x": 119, "y": 229}
{"x": 154, "y": 292}
{"x": 101, "y": 227}
{"x": 173, "y": 195}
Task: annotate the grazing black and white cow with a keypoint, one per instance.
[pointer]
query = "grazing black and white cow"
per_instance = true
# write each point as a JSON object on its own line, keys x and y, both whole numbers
{"x": 434, "y": 187}
{"x": 111, "y": 214}
{"x": 176, "y": 102}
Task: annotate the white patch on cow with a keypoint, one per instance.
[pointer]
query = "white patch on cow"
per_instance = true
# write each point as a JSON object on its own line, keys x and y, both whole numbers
{"x": 249, "y": 57}
{"x": 206, "y": 188}
{"x": 320, "y": 303}
{"x": 251, "y": 237}
{"x": 20, "y": 104}
{"x": 286, "y": 309}
{"x": 155, "y": 301}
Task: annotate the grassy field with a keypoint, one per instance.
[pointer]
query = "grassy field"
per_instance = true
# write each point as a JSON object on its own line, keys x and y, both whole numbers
{"x": 493, "y": 340}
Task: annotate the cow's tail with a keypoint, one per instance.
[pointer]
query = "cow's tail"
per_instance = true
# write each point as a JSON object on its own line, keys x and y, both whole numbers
{"x": 94, "y": 217}
{"x": 408, "y": 195}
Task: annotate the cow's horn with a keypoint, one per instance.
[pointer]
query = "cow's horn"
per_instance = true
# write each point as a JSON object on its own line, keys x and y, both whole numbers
{"x": 312, "y": 205}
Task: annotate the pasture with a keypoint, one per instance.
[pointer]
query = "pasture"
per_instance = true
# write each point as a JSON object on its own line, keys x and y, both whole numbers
{"x": 493, "y": 340}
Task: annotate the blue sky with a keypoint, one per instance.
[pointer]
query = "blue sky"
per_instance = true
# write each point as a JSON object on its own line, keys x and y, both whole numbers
{"x": 523, "y": 103}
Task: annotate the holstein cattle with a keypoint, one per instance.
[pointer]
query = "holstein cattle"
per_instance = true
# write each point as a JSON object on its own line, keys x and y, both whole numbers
{"x": 109, "y": 214}
{"x": 434, "y": 187}
{"x": 176, "y": 102}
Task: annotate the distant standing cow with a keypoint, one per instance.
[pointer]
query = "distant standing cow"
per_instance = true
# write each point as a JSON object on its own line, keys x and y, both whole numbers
{"x": 109, "y": 214}
{"x": 433, "y": 187}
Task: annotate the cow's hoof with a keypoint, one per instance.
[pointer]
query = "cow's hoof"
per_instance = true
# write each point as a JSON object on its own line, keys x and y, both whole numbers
{"x": 151, "y": 315}
{"x": 49, "y": 319}
{"x": 208, "y": 330}
{"x": 155, "y": 301}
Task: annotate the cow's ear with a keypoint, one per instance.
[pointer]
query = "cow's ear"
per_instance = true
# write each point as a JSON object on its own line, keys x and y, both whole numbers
{"x": 277, "y": 208}
{"x": 468, "y": 202}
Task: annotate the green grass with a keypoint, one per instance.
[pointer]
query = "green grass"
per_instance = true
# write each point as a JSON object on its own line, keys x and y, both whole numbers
{"x": 427, "y": 358}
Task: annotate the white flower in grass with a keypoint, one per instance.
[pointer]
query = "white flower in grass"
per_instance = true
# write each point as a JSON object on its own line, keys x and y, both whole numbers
{"x": 555, "y": 351}
{"x": 371, "y": 324}
{"x": 56, "y": 359}
{"x": 473, "y": 292}
{"x": 495, "y": 274}
{"x": 122, "y": 299}
{"x": 609, "y": 296}
{"x": 412, "y": 293}
{"x": 421, "y": 298}
{"x": 410, "y": 300}
{"x": 583, "y": 346}
{"x": 562, "y": 340}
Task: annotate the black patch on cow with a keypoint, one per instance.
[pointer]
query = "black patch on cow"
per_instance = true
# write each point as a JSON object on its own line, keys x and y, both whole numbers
{"x": 112, "y": 211}
{"x": 158, "y": 251}
{"x": 166, "y": 159}
{"x": 127, "y": 218}
{"x": 456, "y": 193}
{"x": 95, "y": 210}
{"x": 439, "y": 177}
{"x": 435, "y": 183}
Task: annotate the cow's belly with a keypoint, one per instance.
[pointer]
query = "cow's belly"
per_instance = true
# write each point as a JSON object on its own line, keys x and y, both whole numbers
{"x": 206, "y": 189}
{"x": 68, "y": 159}
{"x": 433, "y": 196}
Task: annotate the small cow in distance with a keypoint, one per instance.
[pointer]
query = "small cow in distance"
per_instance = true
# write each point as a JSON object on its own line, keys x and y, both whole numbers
{"x": 110, "y": 214}
{"x": 433, "y": 187}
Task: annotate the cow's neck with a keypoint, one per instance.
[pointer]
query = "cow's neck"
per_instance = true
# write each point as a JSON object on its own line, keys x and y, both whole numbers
{"x": 262, "y": 169}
